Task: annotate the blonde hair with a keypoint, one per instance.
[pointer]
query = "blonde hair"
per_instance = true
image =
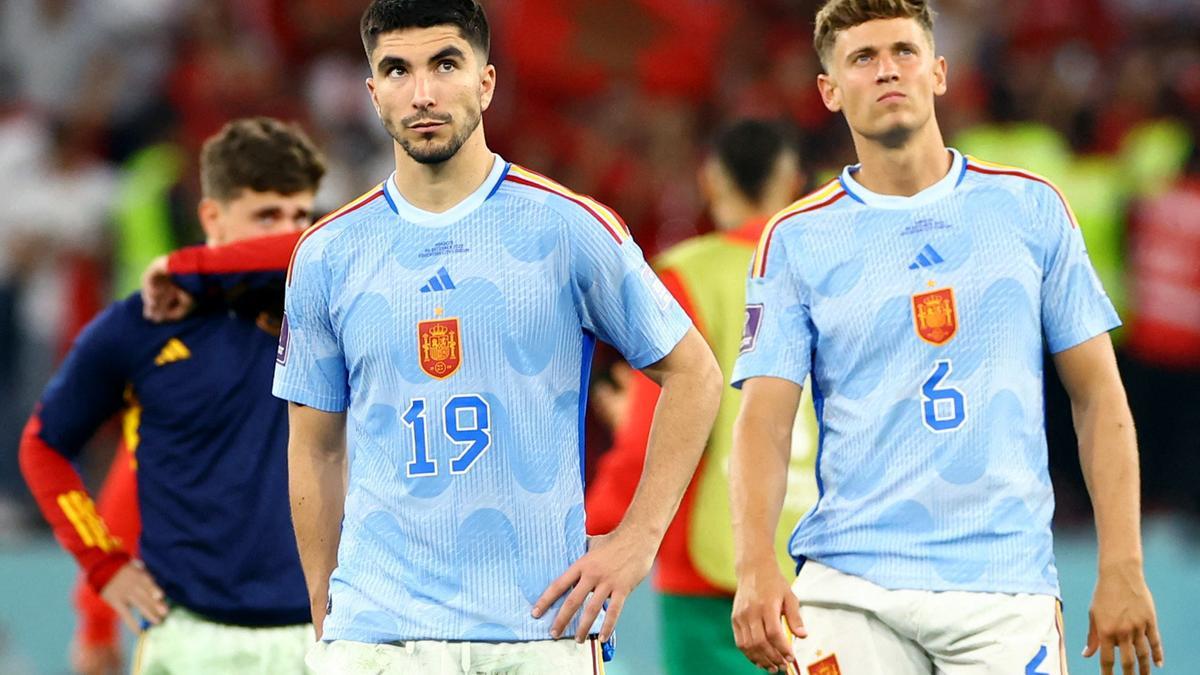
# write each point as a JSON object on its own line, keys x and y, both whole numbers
{"x": 839, "y": 15}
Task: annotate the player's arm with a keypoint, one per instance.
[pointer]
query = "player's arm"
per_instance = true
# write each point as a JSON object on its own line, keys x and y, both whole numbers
{"x": 1122, "y": 614}
{"x": 758, "y": 470}
{"x": 86, "y": 391}
{"x": 611, "y": 489}
{"x": 317, "y": 485}
{"x": 615, "y": 563}
{"x": 172, "y": 283}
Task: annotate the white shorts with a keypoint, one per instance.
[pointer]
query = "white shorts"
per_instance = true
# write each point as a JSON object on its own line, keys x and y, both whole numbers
{"x": 858, "y": 628}
{"x": 188, "y": 644}
{"x": 429, "y": 657}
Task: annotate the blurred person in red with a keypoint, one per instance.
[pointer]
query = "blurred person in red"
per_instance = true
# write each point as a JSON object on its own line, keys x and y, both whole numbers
{"x": 753, "y": 171}
{"x": 1163, "y": 342}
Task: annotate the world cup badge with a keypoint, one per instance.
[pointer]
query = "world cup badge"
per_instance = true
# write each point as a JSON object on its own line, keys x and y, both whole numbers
{"x": 440, "y": 345}
{"x": 935, "y": 316}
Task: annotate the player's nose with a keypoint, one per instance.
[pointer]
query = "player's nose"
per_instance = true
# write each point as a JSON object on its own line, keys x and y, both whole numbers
{"x": 888, "y": 71}
{"x": 423, "y": 92}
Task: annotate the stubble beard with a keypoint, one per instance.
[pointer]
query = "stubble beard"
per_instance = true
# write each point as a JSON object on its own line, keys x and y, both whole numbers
{"x": 426, "y": 152}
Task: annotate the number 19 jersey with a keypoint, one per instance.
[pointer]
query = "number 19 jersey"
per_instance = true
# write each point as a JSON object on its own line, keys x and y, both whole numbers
{"x": 459, "y": 344}
{"x": 922, "y": 320}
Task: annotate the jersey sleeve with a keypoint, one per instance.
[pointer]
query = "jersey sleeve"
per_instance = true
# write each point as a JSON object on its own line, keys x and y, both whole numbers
{"x": 251, "y": 264}
{"x": 619, "y": 298}
{"x": 1075, "y": 307}
{"x": 310, "y": 368}
{"x": 777, "y": 340}
{"x": 85, "y": 392}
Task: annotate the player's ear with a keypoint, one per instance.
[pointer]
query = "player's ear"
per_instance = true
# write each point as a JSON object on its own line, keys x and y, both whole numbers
{"x": 831, "y": 94}
{"x": 487, "y": 86}
{"x": 374, "y": 96}
{"x": 940, "y": 70}
{"x": 209, "y": 212}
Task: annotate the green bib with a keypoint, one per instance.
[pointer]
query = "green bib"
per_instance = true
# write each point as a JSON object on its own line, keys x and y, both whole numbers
{"x": 713, "y": 270}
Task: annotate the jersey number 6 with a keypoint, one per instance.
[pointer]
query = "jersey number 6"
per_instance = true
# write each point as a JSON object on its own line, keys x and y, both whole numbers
{"x": 944, "y": 408}
{"x": 466, "y": 421}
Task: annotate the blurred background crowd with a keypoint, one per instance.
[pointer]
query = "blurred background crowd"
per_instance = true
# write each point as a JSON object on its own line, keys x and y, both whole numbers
{"x": 104, "y": 105}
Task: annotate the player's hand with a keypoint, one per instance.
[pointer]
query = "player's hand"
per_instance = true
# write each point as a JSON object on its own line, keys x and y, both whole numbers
{"x": 96, "y": 659}
{"x": 132, "y": 588}
{"x": 162, "y": 300}
{"x": 764, "y": 601}
{"x": 613, "y": 566}
{"x": 1122, "y": 617}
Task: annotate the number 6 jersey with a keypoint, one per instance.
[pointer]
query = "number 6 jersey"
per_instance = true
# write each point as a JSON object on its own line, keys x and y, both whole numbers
{"x": 922, "y": 320}
{"x": 459, "y": 345}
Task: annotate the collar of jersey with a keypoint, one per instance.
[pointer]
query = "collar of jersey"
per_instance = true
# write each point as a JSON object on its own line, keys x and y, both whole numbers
{"x": 457, "y": 212}
{"x": 942, "y": 188}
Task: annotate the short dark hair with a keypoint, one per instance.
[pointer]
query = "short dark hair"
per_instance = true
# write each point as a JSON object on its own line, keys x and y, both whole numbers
{"x": 385, "y": 16}
{"x": 259, "y": 154}
{"x": 839, "y": 15}
{"x": 750, "y": 149}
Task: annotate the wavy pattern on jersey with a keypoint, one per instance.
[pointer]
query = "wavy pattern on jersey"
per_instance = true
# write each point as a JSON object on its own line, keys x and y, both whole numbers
{"x": 820, "y": 198}
{"x": 604, "y": 215}
{"x": 354, "y": 205}
{"x": 992, "y": 169}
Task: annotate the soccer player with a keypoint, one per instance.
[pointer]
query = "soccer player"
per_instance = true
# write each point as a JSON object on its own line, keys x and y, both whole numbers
{"x": 917, "y": 289}
{"x": 219, "y": 579}
{"x": 435, "y": 350}
{"x": 752, "y": 172}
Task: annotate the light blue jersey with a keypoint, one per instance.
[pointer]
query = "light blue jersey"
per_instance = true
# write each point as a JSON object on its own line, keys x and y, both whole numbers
{"x": 460, "y": 345}
{"x": 921, "y": 321}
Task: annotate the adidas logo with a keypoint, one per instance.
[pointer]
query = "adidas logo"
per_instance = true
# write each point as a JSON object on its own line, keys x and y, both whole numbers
{"x": 439, "y": 282}
{"x": 928, "y": 257}
{"x": 173, "y": 351}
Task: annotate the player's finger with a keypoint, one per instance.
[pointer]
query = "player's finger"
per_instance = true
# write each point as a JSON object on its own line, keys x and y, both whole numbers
{"x": 1128, "y": 662}
{"x": 766, "y": 655}
{"x": 791, "y": 613}
{"x": 615, "y": 604}
{"x": 122, "y": 611}
{"x": 1141, "y": 645}
{"x": 1093, "y": 641}
{"x": 780, "y": 641}
{"x": 570, "y": 606}
{"x": 1156, "y": 646}
{"x": 1107, "y": 658}
{"x": 591, "y": 610}
{"x": 555, "y": 590}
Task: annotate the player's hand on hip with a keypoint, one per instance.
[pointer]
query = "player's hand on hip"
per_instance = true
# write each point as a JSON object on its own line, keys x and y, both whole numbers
{"x": 766, "y": 614}
{"x": 96, "y": 659}
{"x": 1122, "y": 619}
{"x": 132, "y": 588}
{"x": 162, "y": 300}
{"x": 613, "y": 566}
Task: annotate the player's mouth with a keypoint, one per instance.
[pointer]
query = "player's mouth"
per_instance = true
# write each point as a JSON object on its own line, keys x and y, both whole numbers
{"x": 426, "y": 126}
{"x": 890, "y": 97}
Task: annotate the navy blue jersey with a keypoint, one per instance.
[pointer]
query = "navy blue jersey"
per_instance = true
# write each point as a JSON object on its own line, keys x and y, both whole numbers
{"x": 211, "y": 453}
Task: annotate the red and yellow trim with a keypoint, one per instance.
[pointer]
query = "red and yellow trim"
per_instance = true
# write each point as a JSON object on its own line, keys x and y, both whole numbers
{"x": 354, "y": 205}
{"x": 824, "y": 196}
{"x": 1062, "y": 638}
{"x": 607, "y": 217}
{"x": 992, "y": 169}
{"x": 80, "y": 510}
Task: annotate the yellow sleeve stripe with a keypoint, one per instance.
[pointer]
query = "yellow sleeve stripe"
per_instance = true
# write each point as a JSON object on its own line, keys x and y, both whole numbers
{"x": 816, "y": 197}
{"x": 375, "y": 192}
{"x": 600, "y": 211}
{"x": 81, "y": 511}
{"x": 992, "y": 168}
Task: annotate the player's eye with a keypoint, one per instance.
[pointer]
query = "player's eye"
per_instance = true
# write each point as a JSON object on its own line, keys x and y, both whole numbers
{"x": 905, "y": 51}
{"x": 862, "y": 59}
{"x": 447, "y": 66}
{"x": 396, "y": 72}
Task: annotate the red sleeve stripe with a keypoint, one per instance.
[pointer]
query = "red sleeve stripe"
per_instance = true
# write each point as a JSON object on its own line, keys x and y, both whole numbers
{"x": 992, "y": 169}
{"x": 822, "y": 197}
{"x": 348, "y": 208}
{"x": 607, "y": 217}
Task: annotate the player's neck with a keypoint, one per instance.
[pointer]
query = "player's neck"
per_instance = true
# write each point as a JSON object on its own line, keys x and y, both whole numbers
{"x": 437, "y": 188}
{"x": 906, "y": 170}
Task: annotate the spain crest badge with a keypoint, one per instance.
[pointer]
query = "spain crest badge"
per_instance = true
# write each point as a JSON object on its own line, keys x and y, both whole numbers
{"x": 440, "y": 345}
{"x": 935, "y": 316}
{"x": 826, "y": 666}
